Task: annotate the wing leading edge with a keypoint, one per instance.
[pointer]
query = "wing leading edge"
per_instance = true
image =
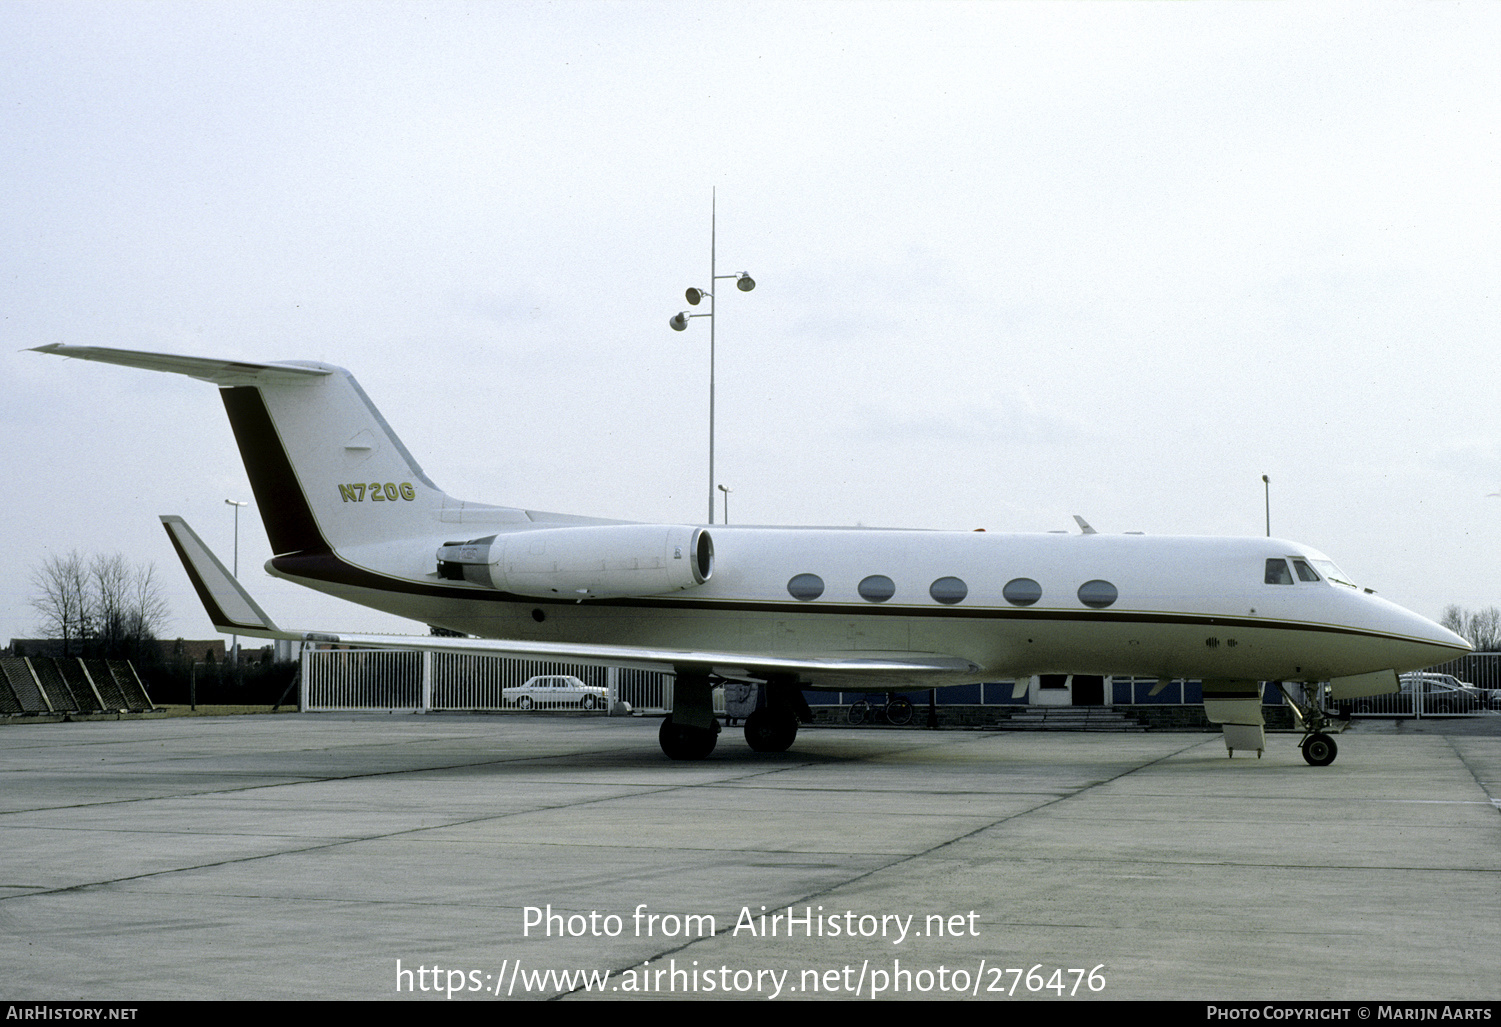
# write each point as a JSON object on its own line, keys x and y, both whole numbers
{"x": 233, "y": 611}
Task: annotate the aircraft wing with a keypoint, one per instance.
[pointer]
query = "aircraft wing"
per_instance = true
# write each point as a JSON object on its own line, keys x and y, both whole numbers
{"x": 233, "y": 611}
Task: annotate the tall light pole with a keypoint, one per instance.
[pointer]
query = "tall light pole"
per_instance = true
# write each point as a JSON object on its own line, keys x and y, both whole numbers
{"x": 744, "y": 283}
{"x": 234, "y": 640}
{"x": 1267, "y": 484}
{"x": 726, "y": 503}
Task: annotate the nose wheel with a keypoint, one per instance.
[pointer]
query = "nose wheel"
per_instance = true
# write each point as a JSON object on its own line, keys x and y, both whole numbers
{"x": 1319, "y": 749}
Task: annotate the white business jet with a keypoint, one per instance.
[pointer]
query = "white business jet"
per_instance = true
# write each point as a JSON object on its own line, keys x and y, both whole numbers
{"x": 348, "y": 511}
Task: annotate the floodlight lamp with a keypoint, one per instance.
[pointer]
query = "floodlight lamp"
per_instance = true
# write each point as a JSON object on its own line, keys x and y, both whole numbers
{"x": 695, "y": 296}
{"x": 679, "y": 321}
{"x": 744, "y": 282}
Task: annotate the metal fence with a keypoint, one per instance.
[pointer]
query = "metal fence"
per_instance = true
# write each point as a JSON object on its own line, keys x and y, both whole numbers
{"x": 1483, "y": 670}
{"x": 394, "y": 679}
{"x": 1468, "y": 686}
{"x": 385, "y": 679}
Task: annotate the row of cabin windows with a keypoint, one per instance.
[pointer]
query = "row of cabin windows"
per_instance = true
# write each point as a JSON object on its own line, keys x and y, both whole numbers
{"x": 877, "y": 588}
{"x": 1096, "y": 594}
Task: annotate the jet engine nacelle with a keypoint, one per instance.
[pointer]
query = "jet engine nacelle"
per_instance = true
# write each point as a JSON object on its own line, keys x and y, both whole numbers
{"x": 589, "y": 561}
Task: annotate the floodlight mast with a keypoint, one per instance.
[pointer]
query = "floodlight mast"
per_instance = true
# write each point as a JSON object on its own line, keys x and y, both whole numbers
{"x": 234, "y": 642}
{"x": 745, "y": 283}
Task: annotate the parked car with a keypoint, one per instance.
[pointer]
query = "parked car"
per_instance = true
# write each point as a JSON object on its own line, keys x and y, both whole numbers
{"x": 1432, "y": 693}
{"x": 551, "y": 691}
{"x": 1485, "y": 698}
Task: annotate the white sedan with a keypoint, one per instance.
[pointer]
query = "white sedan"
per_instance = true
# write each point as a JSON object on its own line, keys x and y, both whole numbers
{"x": 551, "y": 691}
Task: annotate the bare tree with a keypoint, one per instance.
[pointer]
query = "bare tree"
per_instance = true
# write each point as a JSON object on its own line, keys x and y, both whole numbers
{"x": 62, "y": 598}
{"x": 148, "y": 607}
{"x": 109, "y": 580}
{"x": 109, "y": 607}
{"x": 1481, "y": 628}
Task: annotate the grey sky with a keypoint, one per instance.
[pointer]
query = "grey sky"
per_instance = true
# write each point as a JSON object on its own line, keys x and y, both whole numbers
{"x": 1014, "y": 262}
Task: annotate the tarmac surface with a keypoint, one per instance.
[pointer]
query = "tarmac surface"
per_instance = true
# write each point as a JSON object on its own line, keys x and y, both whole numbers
{"x": 371, "y": 856}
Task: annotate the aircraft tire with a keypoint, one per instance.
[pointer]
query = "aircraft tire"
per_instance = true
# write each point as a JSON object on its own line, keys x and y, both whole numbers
{"x": 1319, "y": 750}
{"x": 686, "y": 743}
{"x": 770, "y": 730}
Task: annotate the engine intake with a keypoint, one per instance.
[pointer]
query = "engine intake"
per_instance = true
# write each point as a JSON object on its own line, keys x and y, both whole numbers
{"x": 589, "y": 561}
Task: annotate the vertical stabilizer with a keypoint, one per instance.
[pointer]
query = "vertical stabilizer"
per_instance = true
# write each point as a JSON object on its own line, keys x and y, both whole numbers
{"x": 327, "y": 470}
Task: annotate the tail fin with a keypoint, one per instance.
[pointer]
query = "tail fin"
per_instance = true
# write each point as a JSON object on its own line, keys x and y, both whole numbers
{"x": 326, "y": 468}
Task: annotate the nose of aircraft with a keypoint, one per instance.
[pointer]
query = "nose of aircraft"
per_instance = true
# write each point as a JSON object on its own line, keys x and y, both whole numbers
{"x": 1427, "y": 643}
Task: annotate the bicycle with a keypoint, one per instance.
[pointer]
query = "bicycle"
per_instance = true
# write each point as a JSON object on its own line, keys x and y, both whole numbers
{"x": 897, "y": 710}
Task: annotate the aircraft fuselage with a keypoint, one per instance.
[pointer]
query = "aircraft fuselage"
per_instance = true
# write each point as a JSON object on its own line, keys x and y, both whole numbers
{"x": 1012, "y": 604}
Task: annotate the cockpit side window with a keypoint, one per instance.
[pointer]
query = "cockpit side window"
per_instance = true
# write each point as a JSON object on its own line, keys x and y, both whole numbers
{"x": 1277, "y": 573}
{"x": 1305, "y": 572}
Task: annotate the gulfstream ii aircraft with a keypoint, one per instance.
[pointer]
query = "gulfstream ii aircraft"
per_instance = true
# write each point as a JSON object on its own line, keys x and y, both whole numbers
{"x": 348, "y": 511}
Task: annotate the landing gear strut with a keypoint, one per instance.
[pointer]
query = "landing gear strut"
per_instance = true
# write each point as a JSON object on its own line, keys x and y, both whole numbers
{"x": 690, "y": 731}
{"x": 1318, "y": 745}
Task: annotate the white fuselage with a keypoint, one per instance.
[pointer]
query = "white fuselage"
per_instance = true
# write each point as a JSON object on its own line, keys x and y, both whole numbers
{"x": 1182, "y": 606}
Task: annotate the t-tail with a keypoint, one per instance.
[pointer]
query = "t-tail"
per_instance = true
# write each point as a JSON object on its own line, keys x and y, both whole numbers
{"x": 327, "y": 470}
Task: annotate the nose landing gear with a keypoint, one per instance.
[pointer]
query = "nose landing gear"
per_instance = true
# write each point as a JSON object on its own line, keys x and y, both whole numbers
{"x": 1319, "y": 726}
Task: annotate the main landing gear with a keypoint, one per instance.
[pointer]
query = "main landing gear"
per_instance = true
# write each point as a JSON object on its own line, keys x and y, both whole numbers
{"x": 691, "y": 730}
{"x": 686, "y": 742}
{"x": 773, "y": 726}
{"x": 1320, "y": 726}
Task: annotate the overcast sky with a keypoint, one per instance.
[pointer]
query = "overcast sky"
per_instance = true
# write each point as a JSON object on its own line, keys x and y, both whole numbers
{"x": 1014, "y": 262}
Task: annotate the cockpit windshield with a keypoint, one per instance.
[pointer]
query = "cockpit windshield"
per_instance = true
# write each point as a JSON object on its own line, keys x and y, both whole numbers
{"x": 1280, "y": 571}
{"x": 1333, "y": 573}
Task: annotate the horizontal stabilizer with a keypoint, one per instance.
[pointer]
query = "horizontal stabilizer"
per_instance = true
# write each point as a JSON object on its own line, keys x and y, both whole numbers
{"x": 207, "y": 369}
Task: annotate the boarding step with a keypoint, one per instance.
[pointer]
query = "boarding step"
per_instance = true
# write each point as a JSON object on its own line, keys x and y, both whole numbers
{"x": 1069, "y": 718}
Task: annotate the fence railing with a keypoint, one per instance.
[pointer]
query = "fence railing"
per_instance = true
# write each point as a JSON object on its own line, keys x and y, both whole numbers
{"x": 393, "y": 679}
{"x": 383, "y": 679}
